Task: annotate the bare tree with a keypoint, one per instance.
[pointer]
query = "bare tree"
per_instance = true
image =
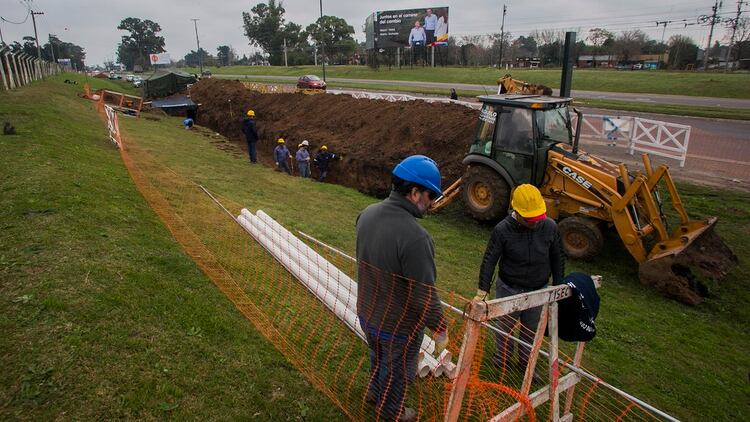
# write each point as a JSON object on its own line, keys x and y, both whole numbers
{"x": 598, "y": 38}
{"x": 629, "y": 44}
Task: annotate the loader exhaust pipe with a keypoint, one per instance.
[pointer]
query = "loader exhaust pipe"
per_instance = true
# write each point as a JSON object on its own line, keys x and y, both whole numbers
{"x": 578, "y": 130}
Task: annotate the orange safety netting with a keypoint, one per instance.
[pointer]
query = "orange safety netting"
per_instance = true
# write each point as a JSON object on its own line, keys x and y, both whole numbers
{"x": 303, "y": 297}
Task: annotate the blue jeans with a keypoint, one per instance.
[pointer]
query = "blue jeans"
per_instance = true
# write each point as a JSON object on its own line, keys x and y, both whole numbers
{"x": 529, "y": 319}
{"x": 393, "y": 366}
{"x": 251, "y": 150}
{"x": 304, "y": 169}
{"x": 323, "y": 174}
{"x": 284, "y": 166}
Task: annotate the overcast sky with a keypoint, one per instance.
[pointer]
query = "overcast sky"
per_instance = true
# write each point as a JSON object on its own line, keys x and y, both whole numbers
{"x": 92, "y": 24}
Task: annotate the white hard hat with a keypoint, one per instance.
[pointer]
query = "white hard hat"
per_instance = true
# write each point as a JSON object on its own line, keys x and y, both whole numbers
{"x": 305, "y": 143}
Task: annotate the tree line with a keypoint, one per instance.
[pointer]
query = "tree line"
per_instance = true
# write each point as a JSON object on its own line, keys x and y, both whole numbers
{"x": 52, "y": 50}
{"x": 285, "y": 42}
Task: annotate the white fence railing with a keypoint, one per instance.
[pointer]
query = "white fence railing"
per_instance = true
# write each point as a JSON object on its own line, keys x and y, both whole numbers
{"x": 401, "y": 97}
{"x": 19, "y": 69}
{"x": 655, "y": 137}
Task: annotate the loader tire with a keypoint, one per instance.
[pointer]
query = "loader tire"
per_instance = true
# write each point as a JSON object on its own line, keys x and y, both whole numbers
{"x": 581, "y": 237}
{"x": 485, "y": 193}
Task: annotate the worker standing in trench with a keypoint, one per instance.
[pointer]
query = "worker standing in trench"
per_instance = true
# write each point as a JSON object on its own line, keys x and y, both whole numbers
{"x": 251, "y": 135}
{"x": 282, "y": 156}
{"x": 303, "y": 159}
{"x": 527, "y": 245}
{"x": 323, "y": 162}
{"x": 396, "y": 285}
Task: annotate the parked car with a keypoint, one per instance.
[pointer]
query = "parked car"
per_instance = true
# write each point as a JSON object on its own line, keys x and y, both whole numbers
{"x": 130, "y": 78}
{"x": 310, "y": 82}
{"x": 637, "y": 66}
{"x": 206, "y": 74}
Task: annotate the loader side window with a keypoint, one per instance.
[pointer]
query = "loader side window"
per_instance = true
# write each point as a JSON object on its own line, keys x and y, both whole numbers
{"x": 516, "y": 131}
{"x": 485, "y": 130}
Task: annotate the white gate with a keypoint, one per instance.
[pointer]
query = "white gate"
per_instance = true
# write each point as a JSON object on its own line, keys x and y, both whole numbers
{"x": 655, "y": 137}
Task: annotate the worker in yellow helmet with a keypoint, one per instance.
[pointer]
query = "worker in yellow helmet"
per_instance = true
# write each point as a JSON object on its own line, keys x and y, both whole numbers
{"x": 251, "y": 134}
{"x": 526, "y": 244}
{"x": 323, "y": 162}
{"x": 281, "y": 155}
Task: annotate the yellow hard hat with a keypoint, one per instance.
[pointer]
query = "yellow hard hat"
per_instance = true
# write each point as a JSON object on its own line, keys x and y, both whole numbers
{"x": 528, "y": 202}
{"x": 250, "y": 113}
{"x": 324, "y": 148}
{"x": 281, "y": 140}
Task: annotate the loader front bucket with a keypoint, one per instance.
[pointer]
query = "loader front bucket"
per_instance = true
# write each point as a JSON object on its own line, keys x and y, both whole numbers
{"x": 679, "y": 266}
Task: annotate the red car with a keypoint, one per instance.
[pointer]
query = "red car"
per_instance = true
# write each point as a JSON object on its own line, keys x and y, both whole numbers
{"x": 310, "y": 82}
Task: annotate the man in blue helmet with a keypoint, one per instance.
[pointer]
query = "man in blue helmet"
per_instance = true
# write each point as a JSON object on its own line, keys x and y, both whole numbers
{"x": 396, "y": 296}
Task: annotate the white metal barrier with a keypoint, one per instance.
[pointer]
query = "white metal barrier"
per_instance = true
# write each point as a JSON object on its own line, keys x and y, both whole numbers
{"x": 401, "y": 97}
{"x": 655, "y": 137}
{"x": 113, "y": 125}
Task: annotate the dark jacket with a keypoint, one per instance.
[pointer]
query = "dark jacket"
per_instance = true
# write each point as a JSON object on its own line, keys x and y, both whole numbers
{"x": 396, "y": 270}
{"x": 323, "y": 160}
{"x": 527, "y": 257}
{"x": 249, "y": 129}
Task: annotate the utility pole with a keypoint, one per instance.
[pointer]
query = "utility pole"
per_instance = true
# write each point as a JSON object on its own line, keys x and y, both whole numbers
{"x": 51, "y": 48}
{"x": 713, "y": 19}
{"x": 502, "y": 39}
{"x": 735, "y": 23}
{"x": 323, "y": 44}
{"x": 664, "y": 29}
{"x": 198, "y": 42}
{"x": 2, "y": 41}
{"x": 36, "y": 37}
{"x": 286, "y": 64}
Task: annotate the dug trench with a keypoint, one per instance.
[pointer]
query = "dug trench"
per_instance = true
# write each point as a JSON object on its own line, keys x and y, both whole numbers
{"x": 370, "y": 136}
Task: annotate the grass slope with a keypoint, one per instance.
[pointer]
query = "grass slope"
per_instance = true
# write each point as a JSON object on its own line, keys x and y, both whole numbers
{"x": 702, "y": 84}
{"x": 102, "y": 314}
{"x": 691, "y": 362}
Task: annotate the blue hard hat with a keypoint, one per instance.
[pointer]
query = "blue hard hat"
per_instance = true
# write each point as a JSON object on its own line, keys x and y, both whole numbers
{"x": 421, "y": 170}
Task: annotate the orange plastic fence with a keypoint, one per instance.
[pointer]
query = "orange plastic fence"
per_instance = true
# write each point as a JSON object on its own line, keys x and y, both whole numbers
{"x": 299, "y": 296}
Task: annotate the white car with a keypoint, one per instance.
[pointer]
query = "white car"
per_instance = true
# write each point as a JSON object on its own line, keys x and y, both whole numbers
{"x": 130, "y": 78}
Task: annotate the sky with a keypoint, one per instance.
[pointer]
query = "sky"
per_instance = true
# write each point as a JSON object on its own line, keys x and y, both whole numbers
{"x": 92, "y": 24}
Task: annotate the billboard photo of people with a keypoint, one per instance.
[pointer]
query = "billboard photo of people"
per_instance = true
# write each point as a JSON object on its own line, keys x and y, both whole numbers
{"x": 412, "y": 28}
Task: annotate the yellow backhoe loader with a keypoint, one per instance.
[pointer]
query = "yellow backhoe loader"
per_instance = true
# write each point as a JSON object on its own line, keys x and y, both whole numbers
{"x": 530, "y": 139}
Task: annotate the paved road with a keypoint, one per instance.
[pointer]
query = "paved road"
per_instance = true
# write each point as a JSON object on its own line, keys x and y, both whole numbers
{"x": 619, "y": 96}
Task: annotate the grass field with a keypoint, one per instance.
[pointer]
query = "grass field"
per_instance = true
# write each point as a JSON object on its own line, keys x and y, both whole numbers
{"x": 108, "y": 318}
{"x": 729, "y": 85}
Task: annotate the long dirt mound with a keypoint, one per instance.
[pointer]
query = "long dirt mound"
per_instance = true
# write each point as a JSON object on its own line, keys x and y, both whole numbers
{"x": 371, "y": 135}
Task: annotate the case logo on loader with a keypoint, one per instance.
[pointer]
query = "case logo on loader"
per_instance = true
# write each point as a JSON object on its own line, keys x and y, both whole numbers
{"x": 575, "y": 176}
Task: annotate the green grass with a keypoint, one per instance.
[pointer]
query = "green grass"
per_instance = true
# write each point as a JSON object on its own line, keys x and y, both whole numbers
{"x": 102, "y": 314}
{"x": 667, "y": 109}
{"x": 103, "y": 307}
{"x": 729, "y": 85}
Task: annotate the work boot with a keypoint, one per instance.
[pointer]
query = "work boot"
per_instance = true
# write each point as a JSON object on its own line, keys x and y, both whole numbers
{"x": 408, "y": 415}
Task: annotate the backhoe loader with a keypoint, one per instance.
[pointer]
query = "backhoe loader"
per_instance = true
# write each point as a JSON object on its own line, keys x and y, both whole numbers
{"x": 530, "y": 139}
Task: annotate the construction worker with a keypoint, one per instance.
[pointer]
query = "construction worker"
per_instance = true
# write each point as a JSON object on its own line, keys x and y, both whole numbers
{"x": 396, "y": 295}
{"x": 281, "y": 155}
{"x": 303, "y": 159}
{"x": 323, "y": 161}
{"x": 527, "y": 246}
{"x": 251, "y": 134}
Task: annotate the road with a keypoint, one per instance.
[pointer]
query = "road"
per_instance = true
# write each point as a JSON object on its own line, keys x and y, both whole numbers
{"x": 618, "y": 96}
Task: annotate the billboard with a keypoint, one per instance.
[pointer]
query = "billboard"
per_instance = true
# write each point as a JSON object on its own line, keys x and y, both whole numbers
{"x": 411, "y": 27}
{"x": 161, "y": 58}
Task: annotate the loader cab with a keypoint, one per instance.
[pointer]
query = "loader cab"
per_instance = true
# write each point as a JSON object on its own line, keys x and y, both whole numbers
{"x": 516, "y": 131}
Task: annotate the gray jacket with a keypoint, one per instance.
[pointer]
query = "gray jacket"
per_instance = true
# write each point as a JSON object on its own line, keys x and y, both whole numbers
{"x": 396, "y": 271}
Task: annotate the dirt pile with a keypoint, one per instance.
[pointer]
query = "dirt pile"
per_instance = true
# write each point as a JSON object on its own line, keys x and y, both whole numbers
{"x": 371, "y": 135}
